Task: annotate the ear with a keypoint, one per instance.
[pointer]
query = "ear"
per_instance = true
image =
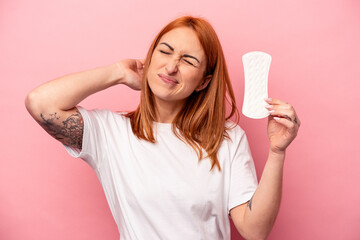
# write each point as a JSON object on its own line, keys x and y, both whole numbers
{"x": 204, "y": 83}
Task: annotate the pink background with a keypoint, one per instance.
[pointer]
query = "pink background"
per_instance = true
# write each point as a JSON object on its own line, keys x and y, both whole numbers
{"x": 46, "y": 194}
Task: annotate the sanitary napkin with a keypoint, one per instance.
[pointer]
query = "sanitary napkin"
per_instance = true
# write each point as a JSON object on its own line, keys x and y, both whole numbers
{"x": 256, "y": 70}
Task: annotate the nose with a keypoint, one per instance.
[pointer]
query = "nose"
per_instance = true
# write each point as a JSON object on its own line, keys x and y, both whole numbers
{"x": 172, "y": 66}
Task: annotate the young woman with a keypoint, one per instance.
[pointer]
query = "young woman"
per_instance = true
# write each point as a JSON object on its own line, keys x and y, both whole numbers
{"x": 176, "y": 167}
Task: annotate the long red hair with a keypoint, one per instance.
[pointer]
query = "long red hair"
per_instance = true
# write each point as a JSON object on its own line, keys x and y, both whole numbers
{"x": 201, "y": 122}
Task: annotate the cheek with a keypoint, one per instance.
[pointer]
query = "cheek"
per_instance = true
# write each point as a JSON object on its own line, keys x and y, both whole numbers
{"x": 194, "y": 79}
{"x": 154, "y": 66}
{"x": 155, "y": 60}
{"x": 151, "y": 75}
{"x": 151, "y": 70}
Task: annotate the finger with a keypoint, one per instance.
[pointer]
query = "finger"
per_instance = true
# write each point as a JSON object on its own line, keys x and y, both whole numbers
{"x": 276, "y": 111}
{"x": 142, "y": 61}
{"x": 274, "y": 101}
{"x": 284, "y": 121}
{"x": 281, "y": 109}
{"x": 139, "y": 64}
{"x": 292, "y": 119}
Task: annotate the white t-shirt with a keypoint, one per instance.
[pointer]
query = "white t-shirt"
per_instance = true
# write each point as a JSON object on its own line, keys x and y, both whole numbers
{"x": 161, "y": 190}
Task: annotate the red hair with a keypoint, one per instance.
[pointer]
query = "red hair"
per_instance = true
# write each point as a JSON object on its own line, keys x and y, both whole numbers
{"x": 201, "y": 122}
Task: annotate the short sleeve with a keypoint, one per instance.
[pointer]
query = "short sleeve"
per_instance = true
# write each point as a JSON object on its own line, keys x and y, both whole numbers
{"x": 94, "y": 139}
{"x": 243, "y": 180}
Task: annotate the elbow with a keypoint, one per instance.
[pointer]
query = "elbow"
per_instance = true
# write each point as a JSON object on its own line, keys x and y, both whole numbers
{"x": 257, "y": 233}
{"x": 34, "y": 104}
{"x": 257, "y": 237}
{"x": 30, "y": 102}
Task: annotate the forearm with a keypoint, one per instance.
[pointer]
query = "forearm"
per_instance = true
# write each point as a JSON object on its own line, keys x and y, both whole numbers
{"x": 66, "y": 92}
{"x": 262, "y": 210}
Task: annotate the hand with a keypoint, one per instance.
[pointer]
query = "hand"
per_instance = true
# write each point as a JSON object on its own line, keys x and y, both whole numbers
{"x": 283, "y": 124}
{"x": 132, "y": 72}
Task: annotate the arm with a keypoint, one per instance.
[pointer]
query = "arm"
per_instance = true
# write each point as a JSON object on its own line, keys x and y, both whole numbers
{"x": 255, "y": 219}
{"x": 52, "y": 104}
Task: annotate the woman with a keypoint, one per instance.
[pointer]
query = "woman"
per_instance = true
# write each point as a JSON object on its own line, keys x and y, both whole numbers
{"x": 157, "y": 164}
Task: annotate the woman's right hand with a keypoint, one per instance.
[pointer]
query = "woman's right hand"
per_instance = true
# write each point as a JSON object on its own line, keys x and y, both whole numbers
{"x": 132, "y": 72}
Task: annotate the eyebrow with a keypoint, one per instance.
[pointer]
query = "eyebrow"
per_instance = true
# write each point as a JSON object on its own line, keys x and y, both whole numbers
{"x": 185, "y": 55}
{"x": 171, "y": 48}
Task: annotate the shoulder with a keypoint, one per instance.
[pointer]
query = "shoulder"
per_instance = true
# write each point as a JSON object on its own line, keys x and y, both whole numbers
{"x": 234, "y": 137}
{"x": 234, "y": 131}
{"x": 235, "y": 144}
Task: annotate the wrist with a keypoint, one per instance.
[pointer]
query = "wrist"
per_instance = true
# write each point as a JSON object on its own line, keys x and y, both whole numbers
{"x": 117, "y": 75}
{"x": 277, "y": 154}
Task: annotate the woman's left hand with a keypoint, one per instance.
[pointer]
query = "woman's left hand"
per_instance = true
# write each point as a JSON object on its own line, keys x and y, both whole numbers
{"x": 283, "y": 124}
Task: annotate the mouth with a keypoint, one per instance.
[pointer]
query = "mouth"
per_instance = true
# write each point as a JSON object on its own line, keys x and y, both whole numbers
{"x": 167, "y": 79}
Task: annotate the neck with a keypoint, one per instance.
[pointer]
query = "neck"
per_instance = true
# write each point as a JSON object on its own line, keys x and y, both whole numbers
{"x": 167, "y": 111}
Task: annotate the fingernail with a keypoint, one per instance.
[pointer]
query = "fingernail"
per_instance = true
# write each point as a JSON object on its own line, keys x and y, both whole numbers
{"x": 271, "y": 111}
{"x": 268, "y": 99}
{"x": 277, "y": 118}
{"x": 269, "y": 107}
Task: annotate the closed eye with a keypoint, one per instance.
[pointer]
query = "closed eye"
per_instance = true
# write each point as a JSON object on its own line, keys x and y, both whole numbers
{"x": 189, "y": 62}
{"x": 164, "y": 52}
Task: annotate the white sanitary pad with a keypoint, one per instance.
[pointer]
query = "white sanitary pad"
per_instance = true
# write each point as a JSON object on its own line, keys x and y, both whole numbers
{"x": 256, "y": 70}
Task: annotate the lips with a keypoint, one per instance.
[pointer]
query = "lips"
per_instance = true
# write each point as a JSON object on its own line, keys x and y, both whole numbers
{"x": 168, "y": 79}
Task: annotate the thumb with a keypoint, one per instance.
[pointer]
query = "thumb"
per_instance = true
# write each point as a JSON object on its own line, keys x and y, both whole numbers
{"x": 141, "y": 62}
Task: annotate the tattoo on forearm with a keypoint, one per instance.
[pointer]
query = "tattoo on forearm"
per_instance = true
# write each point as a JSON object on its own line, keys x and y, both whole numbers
{"x": 69, "y": 131}
{"x": 250, "y": 203}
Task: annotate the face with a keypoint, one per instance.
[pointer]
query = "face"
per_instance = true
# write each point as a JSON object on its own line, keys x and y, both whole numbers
{"x": 177, "y": 66}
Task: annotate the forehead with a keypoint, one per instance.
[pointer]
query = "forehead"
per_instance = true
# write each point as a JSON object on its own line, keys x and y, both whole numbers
{"x": 183, "y": 39}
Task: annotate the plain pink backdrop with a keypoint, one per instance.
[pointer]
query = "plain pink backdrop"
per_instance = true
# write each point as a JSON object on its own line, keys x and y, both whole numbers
{"x": 46, "y": 194}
